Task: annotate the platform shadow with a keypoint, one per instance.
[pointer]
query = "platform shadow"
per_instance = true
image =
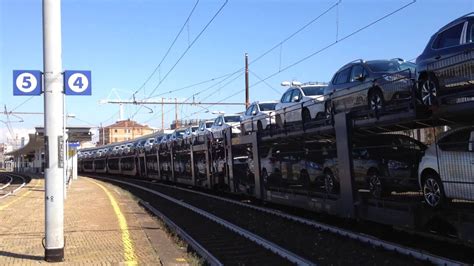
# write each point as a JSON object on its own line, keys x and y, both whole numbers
{"x": 20, "y": 256}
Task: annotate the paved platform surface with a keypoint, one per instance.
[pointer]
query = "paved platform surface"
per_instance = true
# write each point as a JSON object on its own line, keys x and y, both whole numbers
{"x": 104, "y": 225}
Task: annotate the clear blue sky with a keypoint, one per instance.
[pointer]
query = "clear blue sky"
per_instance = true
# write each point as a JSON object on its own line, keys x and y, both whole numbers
{"x": 122, "y": 41}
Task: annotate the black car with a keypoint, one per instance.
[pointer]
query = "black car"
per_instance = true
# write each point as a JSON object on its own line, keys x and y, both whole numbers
{"x": 369, "y": 85}
{"x": 445, "y": 69}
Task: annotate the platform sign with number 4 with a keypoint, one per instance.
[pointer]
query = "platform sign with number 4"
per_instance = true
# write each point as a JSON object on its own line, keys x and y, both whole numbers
{"x": 27, "y": 82}
{"x": 77, "y": 82}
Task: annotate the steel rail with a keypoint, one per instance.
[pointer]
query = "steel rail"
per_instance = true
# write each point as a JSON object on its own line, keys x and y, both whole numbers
{"x": 181, "y": 233}
{"x": 16, "y": 189}
{"x": 243, "y": 232}
{"x": 390, "y": 246}
{"x": 8, "y": 183}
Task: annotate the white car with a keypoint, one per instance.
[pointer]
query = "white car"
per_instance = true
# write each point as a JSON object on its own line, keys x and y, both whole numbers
{"x": 203, "y": 131}
{"x": 225, "y": 121}
{"x": 189, "y": 134}
{"x": 446, "y": 170}
{"x": 128, "y": 148}
{"x": 149, "y": 144}
{"x": 165, "y": 139}
{"x": 301, "y": 103}
{"x": 177, "y": 135}
{"x": 258, "y": 116}
{"x": 116, "y": 150}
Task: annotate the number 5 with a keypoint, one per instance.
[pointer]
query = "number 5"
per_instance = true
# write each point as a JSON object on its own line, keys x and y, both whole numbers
{"x": 26, "y": 79}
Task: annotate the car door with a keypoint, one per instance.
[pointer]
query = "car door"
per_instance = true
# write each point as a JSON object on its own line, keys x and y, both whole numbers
{"x": 356, "y": 94}
{"x": 284, "y": 103}
{"x": 258, "y": 115}
{"x": 468, "y": 63}
{"x": 294, "y": 107}
{"x": 448, "y": 55}
{"x": 215, "y": 126}
{"x": 246, "y": 118}
{"x": 456, "y": 164}
{"x": 340, "y": 87}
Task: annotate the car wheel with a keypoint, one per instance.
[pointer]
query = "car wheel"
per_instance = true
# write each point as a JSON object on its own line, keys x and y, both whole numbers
{"x": 376, "y": 101}
{"x": 305, "y": 116}
{"x": 259, "y": 126}
{"x": 377, "y": 189}
{"x": 433, "y": 191}
{"x": 330, "y": 183}
{"x": 429, "y": 91}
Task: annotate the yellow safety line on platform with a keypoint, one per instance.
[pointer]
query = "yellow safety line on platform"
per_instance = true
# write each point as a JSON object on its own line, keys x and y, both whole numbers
{"x": 17, "y": 199}
{"x": 129, "y": 253}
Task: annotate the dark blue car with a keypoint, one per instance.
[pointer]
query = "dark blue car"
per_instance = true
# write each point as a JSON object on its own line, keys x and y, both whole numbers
{"x": 445, "y": 69}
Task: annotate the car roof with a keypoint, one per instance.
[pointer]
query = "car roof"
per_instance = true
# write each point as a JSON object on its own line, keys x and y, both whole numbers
{"x": 263, "y": 102}
{"x": 454, "y": 130}
{"x": 456, "y": 21}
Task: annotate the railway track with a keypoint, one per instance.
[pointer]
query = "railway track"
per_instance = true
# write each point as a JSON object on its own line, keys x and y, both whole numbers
{"x": 222, "y": 242}
{"x": 315, "y": 243}
{"x": 10, "y": 184}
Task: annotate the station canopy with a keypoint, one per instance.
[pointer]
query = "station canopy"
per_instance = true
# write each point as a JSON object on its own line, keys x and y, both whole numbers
{"x": 36, "y": 140}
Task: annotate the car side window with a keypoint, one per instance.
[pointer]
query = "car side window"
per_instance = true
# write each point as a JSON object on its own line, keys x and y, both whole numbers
{"x": 254, "y": 108}
{"x": 286, "y": 97}
{"x": 343, "y": 76}
{"x": 449, "y": 37}
{"x": 457, "y": 141}
{"x": 296, "y": 95}
{"x": 357, "y": 71}
{"x": 249, "y": 110}
{"x": 470, "y": 32}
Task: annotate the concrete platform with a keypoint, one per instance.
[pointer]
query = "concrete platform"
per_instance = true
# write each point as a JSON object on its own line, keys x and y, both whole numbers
{"x": 103, "y": 225}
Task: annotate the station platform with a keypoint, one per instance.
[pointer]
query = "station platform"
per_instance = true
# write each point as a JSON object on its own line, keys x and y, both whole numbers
{"x": 103, "y": 225}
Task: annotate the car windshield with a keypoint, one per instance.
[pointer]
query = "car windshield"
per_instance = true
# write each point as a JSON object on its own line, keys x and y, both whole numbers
{"x": 408, "y": 65}
{"x": 233, "y": 118}
{"x": 384, "y": 66}
{"x": 267, "y": 106}
{"x": 310, "y": 91}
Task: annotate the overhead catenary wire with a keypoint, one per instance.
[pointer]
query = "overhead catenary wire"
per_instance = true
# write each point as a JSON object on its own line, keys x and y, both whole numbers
{"x": 265, "y": 82}
{"x": 22, "y": 103}
{"x": 186, "y": 51}
{"x": 192, "y": 85}
{"x": 262, "y": 80}
{"x": 169, "y": 48}
{"x": 206, "y": 89}
{"x": 279, "y": 44}
{"x": 286, "y": 39}
{"x": 334, "y": 43}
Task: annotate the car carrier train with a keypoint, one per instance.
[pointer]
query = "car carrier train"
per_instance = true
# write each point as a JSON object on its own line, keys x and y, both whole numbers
{"x": 386, "y": 141}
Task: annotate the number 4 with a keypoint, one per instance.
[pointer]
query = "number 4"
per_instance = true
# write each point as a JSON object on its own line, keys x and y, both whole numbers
{"x": 78, "y": 82}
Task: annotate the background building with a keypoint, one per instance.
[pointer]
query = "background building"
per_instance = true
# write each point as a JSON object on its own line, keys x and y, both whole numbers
{"x": 121, "y": 131}
{"x": 4, "y": 148}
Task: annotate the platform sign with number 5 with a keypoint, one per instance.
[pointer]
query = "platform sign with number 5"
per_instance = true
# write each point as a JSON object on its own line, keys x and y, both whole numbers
{"x": 27, "y": 82}
{"x": 77, "y": 82}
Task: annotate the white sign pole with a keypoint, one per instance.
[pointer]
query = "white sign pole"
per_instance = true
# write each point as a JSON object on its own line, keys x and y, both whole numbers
{"x": 53, "y": 123}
